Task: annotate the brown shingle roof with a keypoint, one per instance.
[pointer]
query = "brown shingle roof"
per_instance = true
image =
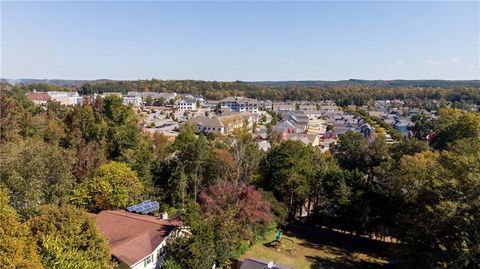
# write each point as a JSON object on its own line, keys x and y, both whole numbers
{"x": 132, "y": 236}
{"x": 38, "y": 96}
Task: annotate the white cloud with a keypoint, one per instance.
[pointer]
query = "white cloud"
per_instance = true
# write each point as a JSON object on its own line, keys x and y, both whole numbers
{"x": 399, "y": 62}
{"x": 434, "y": 62}
{"x": 454, "y": 60}
{"x": 471, "y": 65}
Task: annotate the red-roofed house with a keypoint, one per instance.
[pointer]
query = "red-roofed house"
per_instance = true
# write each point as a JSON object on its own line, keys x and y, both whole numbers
{"x": 39, "y": 97}
{"x": 137, "y": 241}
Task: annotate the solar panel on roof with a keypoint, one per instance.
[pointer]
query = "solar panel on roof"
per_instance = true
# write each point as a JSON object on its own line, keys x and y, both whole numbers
{"x": 144, "y": 207}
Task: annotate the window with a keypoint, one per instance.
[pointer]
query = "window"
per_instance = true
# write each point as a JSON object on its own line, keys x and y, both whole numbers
{"x": 147, "y": 260}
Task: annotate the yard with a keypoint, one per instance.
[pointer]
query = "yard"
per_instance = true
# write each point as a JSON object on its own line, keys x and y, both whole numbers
{"x": 321, "y": 248}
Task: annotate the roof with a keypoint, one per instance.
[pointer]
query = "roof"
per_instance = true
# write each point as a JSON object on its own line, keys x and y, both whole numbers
{"x": 240, "y": 100}
{"x": 260, "y": 264}
{"x": 38, "y": 96}
{"x": 188, "y": 100}
{"x": 132, "y": 236}
{"x": 206, "y": 121}
{"x": 305, "y": 138}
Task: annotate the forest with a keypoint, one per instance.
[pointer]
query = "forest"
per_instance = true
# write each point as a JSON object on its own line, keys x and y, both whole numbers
{"x": 58, "y": 164}
{"x": 350, "y": 92}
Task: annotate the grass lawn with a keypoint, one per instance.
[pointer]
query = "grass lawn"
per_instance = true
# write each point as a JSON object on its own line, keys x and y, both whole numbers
{"x": 322, "y": 248}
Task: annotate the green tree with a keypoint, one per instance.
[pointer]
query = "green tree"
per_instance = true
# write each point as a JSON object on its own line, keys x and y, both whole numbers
{"x": 453, "y": 125}
{"x": 438, "y": 220}
{"x": 123, "y": 129}
{"x": 35, "y": 173}
{"x": 407, "y": 147}
{"x": 287, "y": 170}
{"x": 354, "y": 151}
{"x": 149, "y": 100}
{"x": 196, "y": 250}
{"x": 114, "y": 185}
{"x": 16, "y": 248}
{"x": 68, "y": 238}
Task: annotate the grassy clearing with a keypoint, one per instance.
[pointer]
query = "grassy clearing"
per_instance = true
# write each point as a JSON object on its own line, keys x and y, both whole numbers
{"x": 322, "y": 249}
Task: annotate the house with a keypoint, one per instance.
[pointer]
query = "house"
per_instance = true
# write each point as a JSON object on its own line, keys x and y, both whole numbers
{"x": 187, "y": 104}
{"x": 66, "y": 98}
{"x": 241, "y": 104}
{"x": 287, "y": 127}
{"x": 223, "y": 124}
{"x": 261, "y": 264}
{"x": 208, "y": 125}
{"x": 402, "y": 124}
{"x": 136, "y": 241}
{"x": 105, "y": 94}
{"x": 293, "y": 122}
{"x": 39, "y": 98}
{"x": 264, "y": 145}
{"x": 307, "y": 139}
{"x": 136, "y": 101}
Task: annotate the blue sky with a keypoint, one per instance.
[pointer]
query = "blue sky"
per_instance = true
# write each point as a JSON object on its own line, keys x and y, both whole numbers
{"x": 248, "y": 41}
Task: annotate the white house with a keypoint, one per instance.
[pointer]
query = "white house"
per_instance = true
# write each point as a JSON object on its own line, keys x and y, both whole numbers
{"x": 241, "y": 104}
{"x": 66, "y": 98}
{"x": 187, "y": 104}
{"x": 136, "y": 241}
{"x": 136, "y": 101}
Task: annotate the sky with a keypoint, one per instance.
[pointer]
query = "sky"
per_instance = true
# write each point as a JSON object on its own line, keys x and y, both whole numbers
{"x": 249, "y": 41}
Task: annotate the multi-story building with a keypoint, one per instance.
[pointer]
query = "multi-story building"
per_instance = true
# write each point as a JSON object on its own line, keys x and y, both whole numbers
{"x": 241, "y": 104}
{"x": 223, "y": 124}
{"x": 187, "y": 104}
{"x": 136, "y": 101}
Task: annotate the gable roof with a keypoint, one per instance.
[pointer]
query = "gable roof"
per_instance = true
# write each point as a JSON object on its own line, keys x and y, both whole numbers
{"x": 39, "y": 96}
{"x": 132, "y": 236}
{"x": 207, "y": 122}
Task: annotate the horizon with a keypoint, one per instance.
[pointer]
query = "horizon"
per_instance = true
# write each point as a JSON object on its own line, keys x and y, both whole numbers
{"x": 245, "y": 81}
{"x": 251, "y": 42}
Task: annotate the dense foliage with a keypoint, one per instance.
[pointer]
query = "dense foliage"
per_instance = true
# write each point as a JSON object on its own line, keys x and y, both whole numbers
{"x": 56, "y": 160}
{"x": 16, "y": 248}
{"x": 68, "y": 238}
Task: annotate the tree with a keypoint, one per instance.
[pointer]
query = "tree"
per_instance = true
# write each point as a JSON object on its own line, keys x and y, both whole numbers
{"x": 222, "y": 166}
{"x": 89, "y": 157}
{"x": 123, "y": 129}
{"x": 454, "y": 125}
{"x": 68, "y": 238}
{"x": 247, "y": 203}
{"x": 114, "y": 185}
{"x": 35, "y": 173}
{"x": 16, "y": 249}
{"x": 196, "y": 250}
{"x": 246, "y": 154}
{"x": 149, "y": 100}
{"x": 192, "y": 154}
{"x": 287, "y": 170}
{"x": 354, "y": 151}
{"x": 407, "y": 147}
{"x": 441, "y": 197}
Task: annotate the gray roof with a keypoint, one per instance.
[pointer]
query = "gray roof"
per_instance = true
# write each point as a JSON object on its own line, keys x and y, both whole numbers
{"x": 240, "y": 100}
{"x": 260, "y": 264}
{"x": 206, "y": 121}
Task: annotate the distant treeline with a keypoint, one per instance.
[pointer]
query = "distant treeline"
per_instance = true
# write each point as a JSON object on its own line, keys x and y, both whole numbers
{"x": 351, "y": 91}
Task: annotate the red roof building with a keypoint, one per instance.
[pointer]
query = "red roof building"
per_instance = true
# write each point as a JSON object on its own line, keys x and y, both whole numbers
{"x": 39, "y": 97}
{"x": 136, "y": 241}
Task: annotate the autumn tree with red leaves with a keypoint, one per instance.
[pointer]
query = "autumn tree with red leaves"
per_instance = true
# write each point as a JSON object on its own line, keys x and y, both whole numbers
{"x": 238, "y": 213}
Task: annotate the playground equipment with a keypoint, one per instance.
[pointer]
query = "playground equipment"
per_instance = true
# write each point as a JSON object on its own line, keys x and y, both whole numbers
{"x": 280, "y": 243}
